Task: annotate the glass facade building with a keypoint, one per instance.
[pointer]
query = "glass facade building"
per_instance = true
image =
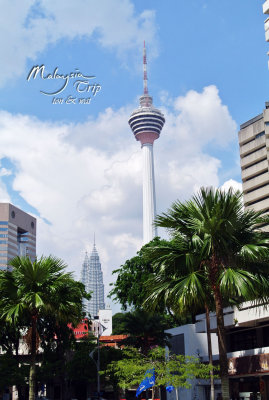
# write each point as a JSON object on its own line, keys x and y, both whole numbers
{"x": 92, "y": 278}
{"x": 17, "y": 234}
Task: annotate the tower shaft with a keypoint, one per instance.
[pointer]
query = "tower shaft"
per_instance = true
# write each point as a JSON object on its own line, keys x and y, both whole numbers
{"x": 149, "y": 197}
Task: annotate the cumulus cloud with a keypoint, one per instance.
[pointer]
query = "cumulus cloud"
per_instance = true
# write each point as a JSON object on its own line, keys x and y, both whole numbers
{"x": 81, "y": 184}
{"x": 231, "y": 183}
{"x": 31, "y": 26}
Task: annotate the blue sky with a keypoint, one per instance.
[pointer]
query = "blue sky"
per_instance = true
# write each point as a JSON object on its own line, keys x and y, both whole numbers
{"x": 77, "y": 166}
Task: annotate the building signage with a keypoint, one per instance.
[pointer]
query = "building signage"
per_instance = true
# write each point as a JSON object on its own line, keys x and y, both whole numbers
{"x": 248, "y": 365}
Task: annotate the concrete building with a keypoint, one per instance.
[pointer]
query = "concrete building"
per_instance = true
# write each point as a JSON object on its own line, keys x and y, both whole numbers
{"x": 254, "y": 159}
{"x": 186, "y": 341}
{"x": 92, "y": 278}
{"x": 17, "y": 234}
{"x": 247, "y": 338}
{"x": 146, "y": 123}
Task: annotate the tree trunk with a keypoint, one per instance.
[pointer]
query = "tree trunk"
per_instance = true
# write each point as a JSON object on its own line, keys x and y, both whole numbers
{"x": 223, "y": 361}
{"x": 210, "y": 356}
{"x": 32, "y": 377}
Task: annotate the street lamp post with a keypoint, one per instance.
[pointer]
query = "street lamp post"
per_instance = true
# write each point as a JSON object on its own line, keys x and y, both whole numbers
{"x": 98, "y": 360}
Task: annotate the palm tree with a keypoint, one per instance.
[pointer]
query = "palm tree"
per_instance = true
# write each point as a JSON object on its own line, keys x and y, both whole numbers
{"x": 179, "y": 283}
{"x": 228, "y": 257}
{"x": 33, "y": 290}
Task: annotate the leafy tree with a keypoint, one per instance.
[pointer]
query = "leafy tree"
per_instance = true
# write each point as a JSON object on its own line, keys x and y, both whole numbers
{"x": 144, "y": 329}
{"x": 81, "y": 366}
{"x": 108, "y": 355}
{"x": 222, "y": 250}
{"x": 129, "y": 289}
{"x": 34, "y": 290}
{"x": 10, "y": 371}
{"x": 118, "y": 323}
{"x": 175, "y": 370}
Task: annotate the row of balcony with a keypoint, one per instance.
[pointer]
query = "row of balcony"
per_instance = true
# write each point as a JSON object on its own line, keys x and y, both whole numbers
{"x": 247, "y": 315}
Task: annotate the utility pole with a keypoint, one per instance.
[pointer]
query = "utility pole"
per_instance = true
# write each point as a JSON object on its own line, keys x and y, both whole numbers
{"x": 98, "y": 360}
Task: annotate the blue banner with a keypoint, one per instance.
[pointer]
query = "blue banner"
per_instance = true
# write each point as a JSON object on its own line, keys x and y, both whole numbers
{"x": 169, "y": 388}
{"x": 147, "y": 383}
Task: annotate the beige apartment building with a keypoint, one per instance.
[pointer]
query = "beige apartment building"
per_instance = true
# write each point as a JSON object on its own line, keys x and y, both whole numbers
{"x": 17, "y": 234}
{"x": 254, "y": 159}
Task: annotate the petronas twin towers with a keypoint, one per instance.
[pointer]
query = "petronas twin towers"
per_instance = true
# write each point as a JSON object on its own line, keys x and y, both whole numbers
{"x": 92, "y": 278}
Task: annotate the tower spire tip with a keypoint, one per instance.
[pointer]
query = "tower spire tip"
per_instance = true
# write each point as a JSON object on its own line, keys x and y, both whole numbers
{"x": 145, "y": 70}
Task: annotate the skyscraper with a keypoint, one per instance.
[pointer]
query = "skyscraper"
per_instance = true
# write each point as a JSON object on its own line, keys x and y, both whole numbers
{"x": 17, "y": 234}
{"x": 146, "y": 123}
{"x": 254, "y": 160}
{"x": 92, "y": 278}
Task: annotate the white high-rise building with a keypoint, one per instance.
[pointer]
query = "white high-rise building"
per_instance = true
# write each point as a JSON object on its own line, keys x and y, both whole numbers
{"x": 92, "y": 278}
{"x": 146, "y": 123}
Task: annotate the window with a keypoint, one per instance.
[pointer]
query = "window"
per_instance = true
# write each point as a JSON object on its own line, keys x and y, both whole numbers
{"x": 3, "y": 235}
{"x": 3, "y": 229}
{"x": 3, "y": 222}
{"x": 260, "y": 134}
{"x": 265, "y": 334}
{"x": 243, "y": 340}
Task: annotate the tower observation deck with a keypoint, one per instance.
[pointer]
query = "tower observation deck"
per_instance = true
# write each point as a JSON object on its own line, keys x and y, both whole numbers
{"x": 146, "y": 123}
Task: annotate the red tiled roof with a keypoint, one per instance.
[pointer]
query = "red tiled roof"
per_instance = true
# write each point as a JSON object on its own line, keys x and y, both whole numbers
{"x": 113, "y": 338}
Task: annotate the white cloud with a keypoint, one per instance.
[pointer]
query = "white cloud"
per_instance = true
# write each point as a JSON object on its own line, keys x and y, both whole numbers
{"x": 28, "y": 27}
{"x": 5, "y": 172}
{"x": 231, "y": 183}
{"x": 82, "y": 184}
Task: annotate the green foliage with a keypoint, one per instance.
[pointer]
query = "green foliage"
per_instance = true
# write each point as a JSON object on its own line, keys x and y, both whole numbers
{"x": 39, "y": 287}
{"x": 129, "y": 288}
{"x": 40, "y": 298}
{"x": 10, "y": 372}
{"x": 217, "y": 256}
{"x": 81, "y": 366}
{"x": 119, "y": 324}
{"x": 144, "y": 329}
{"x": 175, "y": 370}
{"x": 211, "y": 228}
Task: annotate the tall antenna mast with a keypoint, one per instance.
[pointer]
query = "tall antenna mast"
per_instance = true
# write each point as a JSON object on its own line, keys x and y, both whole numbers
{"x": 145, "y": 70}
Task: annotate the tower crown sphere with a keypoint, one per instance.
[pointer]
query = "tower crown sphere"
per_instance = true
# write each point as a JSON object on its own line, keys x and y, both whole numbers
{"x": 146, "y": 121}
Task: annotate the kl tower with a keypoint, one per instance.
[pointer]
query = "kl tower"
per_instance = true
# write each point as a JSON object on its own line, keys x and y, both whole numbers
{"x": 146, "y": 123}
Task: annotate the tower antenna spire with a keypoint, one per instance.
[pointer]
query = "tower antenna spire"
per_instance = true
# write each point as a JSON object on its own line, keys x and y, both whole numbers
{"x": 94, "y": 239}
{"x": 145, "y": 69}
